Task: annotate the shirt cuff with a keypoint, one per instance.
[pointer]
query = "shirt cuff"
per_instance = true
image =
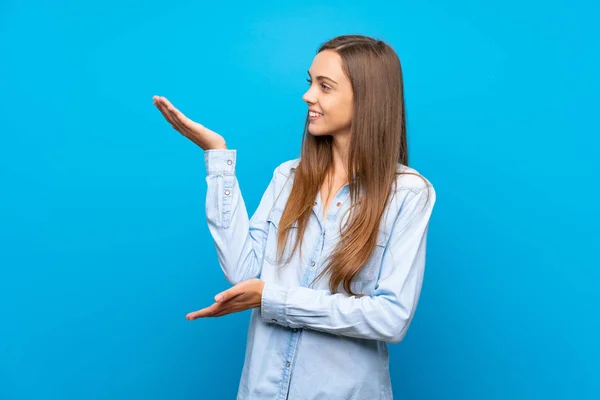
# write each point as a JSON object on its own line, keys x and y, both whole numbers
{"x": 220, "y": 162}
{"x": 272, "y": 305}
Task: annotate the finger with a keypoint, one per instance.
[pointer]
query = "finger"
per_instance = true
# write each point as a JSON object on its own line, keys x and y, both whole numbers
{"x": 205, "y": 312}
{"x": 225, "y": 311}
{"x": 175, "y": 116}
{"x": 167, "y": 102}
{"x": 177, "y": 122}
{"x": 163, "y": 110}
{"x": 178, "y": 115}
{"x": 185, "y": 121}
{"x": 169, "y": 116}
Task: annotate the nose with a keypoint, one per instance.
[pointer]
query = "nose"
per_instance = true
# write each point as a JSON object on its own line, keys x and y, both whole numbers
{"x": 309, "y": 97}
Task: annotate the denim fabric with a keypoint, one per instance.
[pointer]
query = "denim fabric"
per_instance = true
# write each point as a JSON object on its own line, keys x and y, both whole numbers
{"x": 305, "y": 342}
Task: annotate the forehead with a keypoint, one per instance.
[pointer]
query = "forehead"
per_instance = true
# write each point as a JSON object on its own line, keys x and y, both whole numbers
{"x": 328, "y": 63}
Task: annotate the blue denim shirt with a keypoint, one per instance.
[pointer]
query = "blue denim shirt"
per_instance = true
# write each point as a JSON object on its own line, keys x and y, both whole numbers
{"x": 305, "y": 342}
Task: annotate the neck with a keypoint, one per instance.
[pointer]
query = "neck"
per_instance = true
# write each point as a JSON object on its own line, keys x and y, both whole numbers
{"x": 339, "y": 149}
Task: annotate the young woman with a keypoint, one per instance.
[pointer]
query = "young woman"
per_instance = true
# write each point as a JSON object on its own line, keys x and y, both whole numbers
{"x": 331, "y": 263}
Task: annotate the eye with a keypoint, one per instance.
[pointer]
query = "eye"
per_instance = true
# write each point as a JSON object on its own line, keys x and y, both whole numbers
{"x": 323, "y": 86}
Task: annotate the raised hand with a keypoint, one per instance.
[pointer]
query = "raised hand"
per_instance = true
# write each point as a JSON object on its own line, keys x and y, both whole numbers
{"x": 197, "y": 133}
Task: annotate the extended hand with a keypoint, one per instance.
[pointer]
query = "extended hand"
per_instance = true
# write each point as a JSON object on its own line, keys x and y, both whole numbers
{"x": 243, "y": 296}
{"x": 197, "y": 133}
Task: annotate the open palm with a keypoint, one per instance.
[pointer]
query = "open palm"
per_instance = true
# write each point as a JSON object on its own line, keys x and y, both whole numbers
{"x": 197, "y": 133}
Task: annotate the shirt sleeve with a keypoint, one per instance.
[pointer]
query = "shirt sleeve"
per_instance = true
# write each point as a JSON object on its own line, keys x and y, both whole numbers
{"x": 240, "y": 241}
{"x": 383, "y": 316}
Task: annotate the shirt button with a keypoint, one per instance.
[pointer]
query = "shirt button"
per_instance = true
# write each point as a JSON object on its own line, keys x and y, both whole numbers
{"x": 287, "y": 364}
{"x": 274, "y": 320}
{"x": 295, "y": 330}
{"x": 227, "y": 193}
{"x": 338, "y": 204}
{"x": 312, "y": 264}
{"x": 229, "y": 162}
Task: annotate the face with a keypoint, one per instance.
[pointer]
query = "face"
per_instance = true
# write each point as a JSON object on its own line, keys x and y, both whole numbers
{"x": 329, "y": 96}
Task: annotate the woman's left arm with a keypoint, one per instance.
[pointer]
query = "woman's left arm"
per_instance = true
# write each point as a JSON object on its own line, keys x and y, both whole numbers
{"x": 383, "y": 316}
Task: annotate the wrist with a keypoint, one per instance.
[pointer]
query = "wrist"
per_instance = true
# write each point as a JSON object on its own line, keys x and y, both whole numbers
{"x": 222, "y": 145}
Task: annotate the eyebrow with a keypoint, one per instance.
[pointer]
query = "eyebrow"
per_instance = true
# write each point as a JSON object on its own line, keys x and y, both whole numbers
{"x": 321, "y": 77}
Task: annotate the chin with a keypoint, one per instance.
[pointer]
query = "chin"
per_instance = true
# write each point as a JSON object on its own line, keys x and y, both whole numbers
{"x": 318, "y": 132}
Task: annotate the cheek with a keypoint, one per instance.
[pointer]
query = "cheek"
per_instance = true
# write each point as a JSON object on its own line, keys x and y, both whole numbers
{"x": 348, "y": 110}
{"x": 341, "y": 114}
{"x": 332, "y": 109}
{"x": 341, "y": 108}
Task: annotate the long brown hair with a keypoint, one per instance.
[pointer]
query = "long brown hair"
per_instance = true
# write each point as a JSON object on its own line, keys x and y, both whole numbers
{"x": 377, "y": 143}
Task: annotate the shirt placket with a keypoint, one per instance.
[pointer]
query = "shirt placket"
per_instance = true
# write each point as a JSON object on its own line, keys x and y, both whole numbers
{"x": 307, "y": 277}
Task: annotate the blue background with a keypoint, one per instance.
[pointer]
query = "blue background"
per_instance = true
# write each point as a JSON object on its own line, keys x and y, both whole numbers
{"x": 103, "y": 240}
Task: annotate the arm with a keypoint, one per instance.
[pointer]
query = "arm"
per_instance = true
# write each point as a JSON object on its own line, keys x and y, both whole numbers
{"x": 240, "y": 242}
{"x": 387, "y": 314}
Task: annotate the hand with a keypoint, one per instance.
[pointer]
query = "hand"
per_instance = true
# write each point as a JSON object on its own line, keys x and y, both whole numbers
{"x": 197, "y": 133}
{"x": 243, "y": 296}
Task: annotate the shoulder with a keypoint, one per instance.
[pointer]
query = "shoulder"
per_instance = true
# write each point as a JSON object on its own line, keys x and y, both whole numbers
{"x": 413, "y": 193}
{"x": 281, "y": 181}
{"x": 409, "y": 179}
{"x": 286, "y": 168}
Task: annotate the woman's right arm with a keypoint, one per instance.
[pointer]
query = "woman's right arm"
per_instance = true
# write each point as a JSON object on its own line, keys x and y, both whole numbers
{"x": 240, "y": 242}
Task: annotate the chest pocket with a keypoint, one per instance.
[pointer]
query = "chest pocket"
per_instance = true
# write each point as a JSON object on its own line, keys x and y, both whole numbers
{"x": 273, "y": 226}
{"x": 371, "y": 269}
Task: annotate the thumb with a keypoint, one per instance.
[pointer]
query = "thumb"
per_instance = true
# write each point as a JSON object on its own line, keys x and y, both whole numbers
{"x": 224, "y": 296}
{"x": 229, "y": 294}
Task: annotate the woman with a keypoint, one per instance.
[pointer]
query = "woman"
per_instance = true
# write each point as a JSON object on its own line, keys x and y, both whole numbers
{"x": 349, "y": 210}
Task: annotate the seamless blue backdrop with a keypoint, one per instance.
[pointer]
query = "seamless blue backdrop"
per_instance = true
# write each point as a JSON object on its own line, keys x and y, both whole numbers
{"x": 103, "y": 240}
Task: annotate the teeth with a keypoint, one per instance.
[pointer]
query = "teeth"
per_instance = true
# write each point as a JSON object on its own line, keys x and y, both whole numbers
{"x": 314, "y": 114}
